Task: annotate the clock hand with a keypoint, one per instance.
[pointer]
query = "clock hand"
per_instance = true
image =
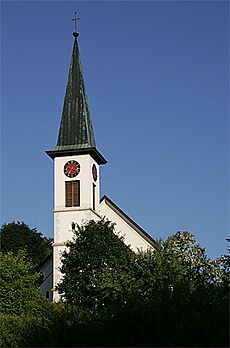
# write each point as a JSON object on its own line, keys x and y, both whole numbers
{"x": 70, "y": 169}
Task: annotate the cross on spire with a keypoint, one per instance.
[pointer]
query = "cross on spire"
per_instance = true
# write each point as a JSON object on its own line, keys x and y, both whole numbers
{"x": 75, "y": 19}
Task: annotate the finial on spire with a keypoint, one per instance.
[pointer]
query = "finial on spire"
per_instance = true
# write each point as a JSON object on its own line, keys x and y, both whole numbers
{"x": 75, "y": 33}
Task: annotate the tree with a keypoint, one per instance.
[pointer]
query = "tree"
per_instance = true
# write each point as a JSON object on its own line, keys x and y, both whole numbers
{"x": 17, "y": 236}
{"x": 24, "y": 313}
{"x": 18, "y": 284}
{"x": 95, "y": 266}
{"x": 172, "y": 295}
{"x": 182, "y": 293}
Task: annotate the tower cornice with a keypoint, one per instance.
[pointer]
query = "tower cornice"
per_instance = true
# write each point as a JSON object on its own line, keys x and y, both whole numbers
{"x": 61, "y": 151}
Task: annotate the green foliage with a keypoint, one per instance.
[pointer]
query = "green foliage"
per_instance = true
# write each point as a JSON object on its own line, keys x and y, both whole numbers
{"x": 13, "y": 329}
{"x": 17, "y": 236}
{"x": 173, "y": 295}
{"x": 95, "y": 266}
{"x": 193, "y": 258}
{"x": 18, "y": 289}
{"x": 181, "y": 293}
{"x": 169, "y": 296}
{"x": 24, "y": 313}
{"x": 25, "y": 330}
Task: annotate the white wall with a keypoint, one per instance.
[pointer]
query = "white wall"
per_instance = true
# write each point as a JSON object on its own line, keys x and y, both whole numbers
{"x": 47, "y": 283}
{"x": 86, "y": 181}
{"x": 124, "y": 228}
{"x": 63, "y": 233}
{"x": 65, "y": 216}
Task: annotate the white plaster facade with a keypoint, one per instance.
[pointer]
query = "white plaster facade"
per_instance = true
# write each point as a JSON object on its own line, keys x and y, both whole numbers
{"x": 65, "y": 216}
{"x": 134, "y": 235}
{"x": 47, "y": 281}
{"x": 85, "y": 176}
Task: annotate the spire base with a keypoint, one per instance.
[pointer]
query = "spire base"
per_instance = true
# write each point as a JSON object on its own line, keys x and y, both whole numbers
{"x": 75, "y": 34}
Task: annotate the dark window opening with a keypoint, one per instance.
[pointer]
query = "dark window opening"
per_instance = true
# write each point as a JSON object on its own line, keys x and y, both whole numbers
{"x": 94, "y": 196}
{"x": 47, "y": 294}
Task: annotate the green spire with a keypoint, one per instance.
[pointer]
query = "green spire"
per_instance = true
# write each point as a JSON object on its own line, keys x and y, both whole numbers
{"x": 76, "y": 130}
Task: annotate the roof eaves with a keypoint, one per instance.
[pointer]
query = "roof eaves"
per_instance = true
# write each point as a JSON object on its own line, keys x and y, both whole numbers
{"x": 50, "y": 256}
{"x": 59, "y": 151}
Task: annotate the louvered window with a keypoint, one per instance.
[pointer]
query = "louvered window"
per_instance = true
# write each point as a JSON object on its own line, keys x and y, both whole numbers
{"x": 72, "y": 193}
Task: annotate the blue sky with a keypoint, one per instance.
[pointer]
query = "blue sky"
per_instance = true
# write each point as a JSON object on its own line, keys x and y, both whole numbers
{"x": 157, "y": 75}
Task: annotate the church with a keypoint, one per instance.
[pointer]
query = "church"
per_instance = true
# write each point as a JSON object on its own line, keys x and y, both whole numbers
{"x": 77, "y": 164}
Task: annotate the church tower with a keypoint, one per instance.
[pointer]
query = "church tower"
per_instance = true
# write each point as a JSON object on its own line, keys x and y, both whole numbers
{"x": 76, "y": 164}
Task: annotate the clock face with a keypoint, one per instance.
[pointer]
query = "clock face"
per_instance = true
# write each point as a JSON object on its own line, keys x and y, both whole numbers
{"x": 72, "y": 169}
{"x": 94, "y": 172}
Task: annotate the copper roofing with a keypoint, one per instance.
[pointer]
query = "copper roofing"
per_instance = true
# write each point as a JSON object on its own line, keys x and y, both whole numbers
{"x": 76, "y": 130}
